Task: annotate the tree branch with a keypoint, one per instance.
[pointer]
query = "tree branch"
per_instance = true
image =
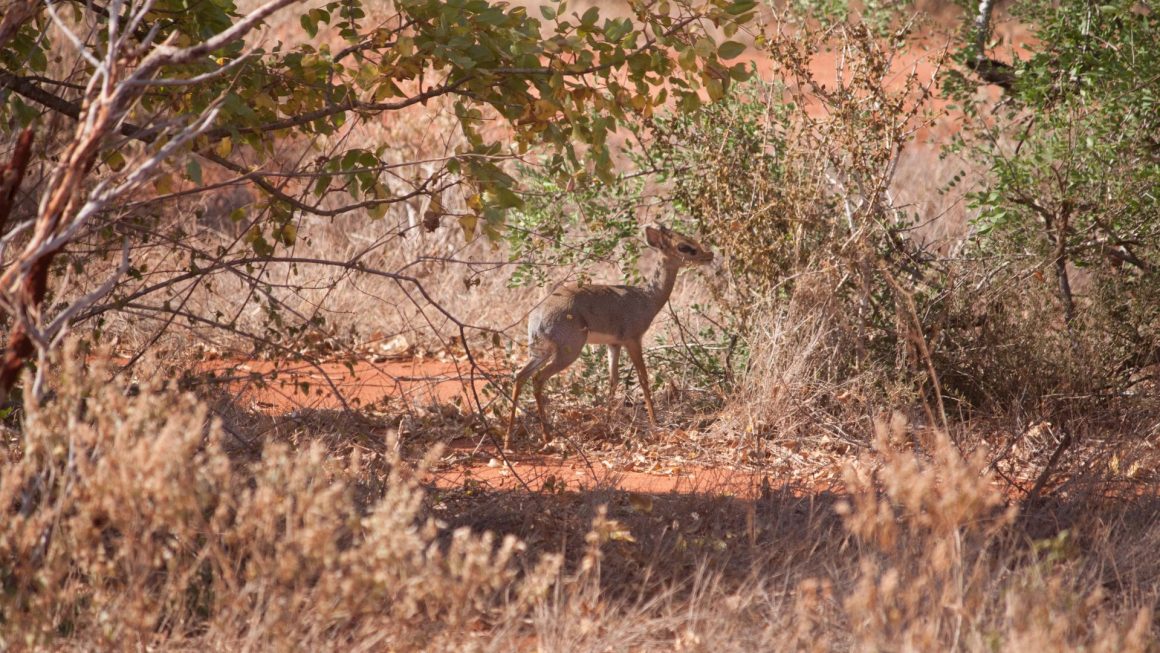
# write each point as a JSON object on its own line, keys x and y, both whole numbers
{"x": 13, "y": 174}
{"x": 989, "y": 70}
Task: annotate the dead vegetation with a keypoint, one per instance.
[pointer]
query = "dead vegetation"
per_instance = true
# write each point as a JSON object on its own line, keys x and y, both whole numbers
{"x": 135, "y": 521}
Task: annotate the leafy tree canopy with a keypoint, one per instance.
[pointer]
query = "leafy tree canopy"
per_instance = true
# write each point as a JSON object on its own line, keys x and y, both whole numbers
{"x": 562, "y": 78}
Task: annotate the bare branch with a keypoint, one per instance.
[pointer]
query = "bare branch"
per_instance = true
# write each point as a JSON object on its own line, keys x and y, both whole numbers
{"x": 165, "y": 55}
{"x": 13, "y": 174}
{"x": 57, "y": 329}
{"x": 983, "y": 27}
{"x": 196, "y": 79}
{"x": 67, "y": 205}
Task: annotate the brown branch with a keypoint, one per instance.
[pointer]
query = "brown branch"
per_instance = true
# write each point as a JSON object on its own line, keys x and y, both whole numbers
{"x": 20, "y": 346}
{"x": 33, "y": 92}
{"x": 261, "y": 182}
{"x": 1032, "y": 499}
{"x": 342, "y": 107}
{"x": 13, "y": 174}
{"x": 1061, "y": 275}
{"x": 1122, "y": 254}
{"x": 915, "y": 335}
{"x": 994, "y": 72}
{"x": 26, "y": 88}
{"x": 18, "y": 350}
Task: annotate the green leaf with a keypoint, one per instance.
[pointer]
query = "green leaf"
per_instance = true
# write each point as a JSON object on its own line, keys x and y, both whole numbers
{"x": 704, "y": 47}
{"x": 309, "y": 25}
{"x": 321, "y": 185}
{"x": 590, "y": 17}
{"x": 739, "y": 72}
{"x": 193, "y": 171}
{"x": 730, "y": 50}
{"x": 715, "y": 89}
{"x": 689, "y": 102}
{"x": 468, "y": 222}
{"x": 258, "y": 242}
{"x": 287, "y": 234}
{"x": 115, "y": 160}
{"x": 503, "y": 197}
{"x": 25, "y": 114}
{"x": 740, "y": 7}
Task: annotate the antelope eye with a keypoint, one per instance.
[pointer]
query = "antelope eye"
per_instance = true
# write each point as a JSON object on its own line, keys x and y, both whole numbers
{"x": 685, "y": 249}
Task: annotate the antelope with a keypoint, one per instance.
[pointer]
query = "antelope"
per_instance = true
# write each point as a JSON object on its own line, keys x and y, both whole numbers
{"x": 598, "y": 314}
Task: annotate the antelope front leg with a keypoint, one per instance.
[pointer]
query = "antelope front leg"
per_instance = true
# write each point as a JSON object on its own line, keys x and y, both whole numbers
{"x": 512, "y": 420}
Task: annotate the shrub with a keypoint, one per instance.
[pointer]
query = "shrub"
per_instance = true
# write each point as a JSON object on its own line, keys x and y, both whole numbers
{"x": 128, "y": 524}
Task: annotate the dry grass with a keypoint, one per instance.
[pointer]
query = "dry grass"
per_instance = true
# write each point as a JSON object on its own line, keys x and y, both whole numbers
{"x": 134, "y": 521}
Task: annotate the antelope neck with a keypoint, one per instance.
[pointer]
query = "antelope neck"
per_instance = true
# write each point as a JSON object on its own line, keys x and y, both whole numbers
{"x": 660, "y": 282}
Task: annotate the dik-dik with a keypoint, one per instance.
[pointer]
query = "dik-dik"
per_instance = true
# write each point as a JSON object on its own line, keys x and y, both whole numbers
{"x": 617, "y": 316}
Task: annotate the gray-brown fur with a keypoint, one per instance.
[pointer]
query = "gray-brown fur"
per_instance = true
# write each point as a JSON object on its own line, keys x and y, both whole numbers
{"x": 617, "y": 316}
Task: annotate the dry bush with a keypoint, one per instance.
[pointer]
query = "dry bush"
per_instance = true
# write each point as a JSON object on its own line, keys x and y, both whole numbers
{"x": 129, "y": 524}
{"x": 855, "y": 279}
{"x": 928, "y": 554}
{"x": 126, "y": 524}
{"x": 740, "y": 170}
{"x": 802, "y": 383}
{"x": 942, "y": 566}
{"x": 795, "y": 181}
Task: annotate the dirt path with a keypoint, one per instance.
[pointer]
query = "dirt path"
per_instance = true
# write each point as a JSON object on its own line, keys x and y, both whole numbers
{"x": 665, "y": 467}
{"x": 281, "y": 387}
{"x": 466, "y": 465}
{"x": 276, "y": 387}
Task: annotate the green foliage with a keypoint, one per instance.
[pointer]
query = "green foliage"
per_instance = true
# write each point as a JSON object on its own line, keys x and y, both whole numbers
{"x": 736, "y": 169}
{"x": 1074, "y": 165}
{"x": 591, "y": 221}
{"x": 567, "y": 81}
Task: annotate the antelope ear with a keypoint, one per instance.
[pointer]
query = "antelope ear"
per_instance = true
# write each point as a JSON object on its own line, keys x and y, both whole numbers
{"x": 654, "y": 235}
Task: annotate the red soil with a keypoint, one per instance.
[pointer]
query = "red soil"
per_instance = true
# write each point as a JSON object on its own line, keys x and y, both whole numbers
{"x": 276, "y": 387}
{"x": 469, "y": 464}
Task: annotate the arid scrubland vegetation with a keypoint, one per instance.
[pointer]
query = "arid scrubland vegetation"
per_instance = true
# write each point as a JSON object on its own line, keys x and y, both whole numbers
{"x": 928, "y": 346}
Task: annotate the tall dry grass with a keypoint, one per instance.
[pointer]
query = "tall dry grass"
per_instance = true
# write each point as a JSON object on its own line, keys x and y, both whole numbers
{"x": 129, "y": 524}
